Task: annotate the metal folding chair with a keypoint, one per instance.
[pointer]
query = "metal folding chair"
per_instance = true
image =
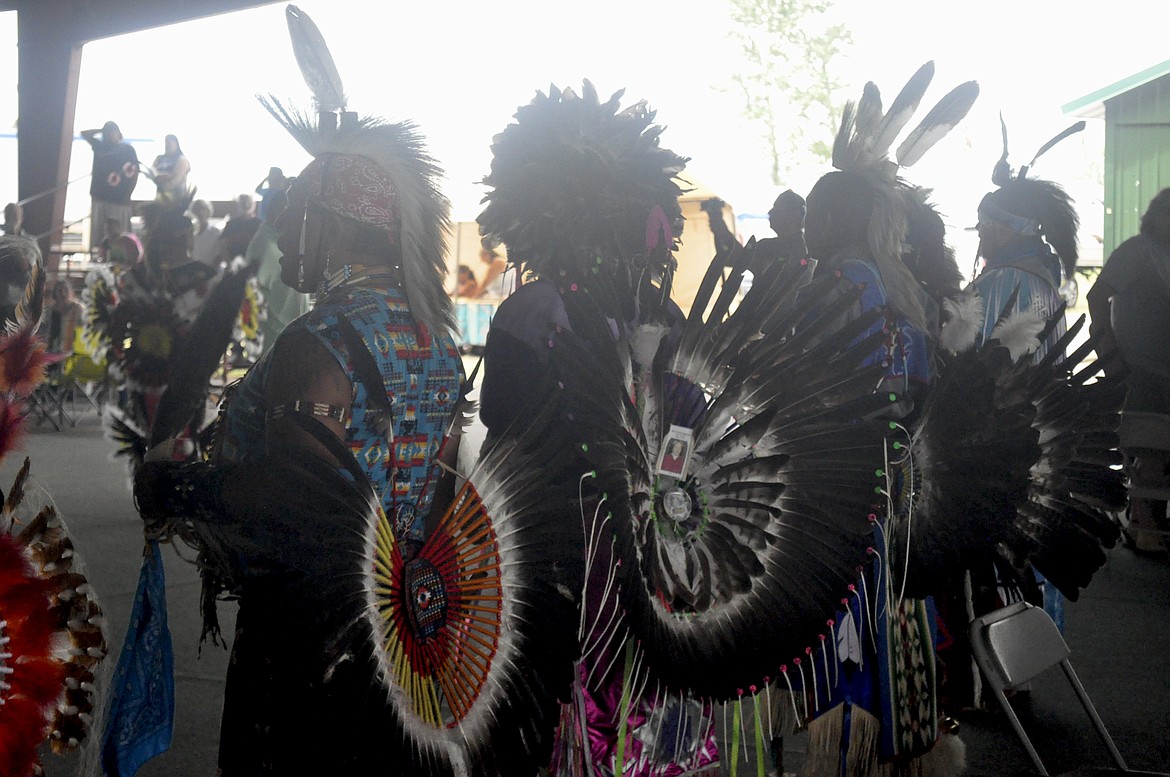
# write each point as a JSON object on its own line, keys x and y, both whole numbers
{"x": 1015, "y": 644}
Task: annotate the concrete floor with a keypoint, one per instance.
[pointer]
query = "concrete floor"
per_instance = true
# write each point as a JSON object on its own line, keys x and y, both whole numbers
{"x": 1119, "y": 634}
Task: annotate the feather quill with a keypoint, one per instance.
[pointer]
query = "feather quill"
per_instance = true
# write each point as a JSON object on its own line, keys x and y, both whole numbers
{"x": 842, "y": 156}
{"x": 16, "y": 493}
{"x": 942, "y": 118}
{"x": 1002, "y": 172}
{"x": 1072, "y": 130}
{"x": 903, "y": 108}
{"x": 315, "y": 61}
{"x": 869, "y": 117}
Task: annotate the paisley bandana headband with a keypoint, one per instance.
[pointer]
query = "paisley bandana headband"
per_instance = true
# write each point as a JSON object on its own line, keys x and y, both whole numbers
{"x": 352, "y": 187}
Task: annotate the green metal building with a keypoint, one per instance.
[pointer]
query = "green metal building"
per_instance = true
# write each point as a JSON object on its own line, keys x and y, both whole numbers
{"x": 1137, "y": 146}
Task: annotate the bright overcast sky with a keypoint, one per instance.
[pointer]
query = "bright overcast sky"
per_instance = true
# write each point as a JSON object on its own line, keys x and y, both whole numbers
{"x": 460, "y": 68}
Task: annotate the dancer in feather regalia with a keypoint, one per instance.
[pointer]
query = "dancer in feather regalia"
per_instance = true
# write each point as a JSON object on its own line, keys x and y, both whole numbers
{"x": 388, "y": 621}
{"x": 868, "y": 224}
{"x": 990, "y": 458}
{"x": 726, "y": 475}
{"x": 1028, "y": 241}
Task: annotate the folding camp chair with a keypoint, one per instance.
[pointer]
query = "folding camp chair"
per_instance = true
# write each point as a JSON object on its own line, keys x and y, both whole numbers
{"x": 82, "y": 375}
{"x": 74, "y": 378}
{"x": 45, "y": 404}
{"x": 1014, "y": 644}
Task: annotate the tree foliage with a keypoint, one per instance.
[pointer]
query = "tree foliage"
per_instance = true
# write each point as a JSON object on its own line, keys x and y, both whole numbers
{"x": 788, "y": 85}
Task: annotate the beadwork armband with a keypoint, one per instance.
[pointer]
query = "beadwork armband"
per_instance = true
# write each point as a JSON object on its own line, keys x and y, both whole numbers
{"x": 319, "y": 409}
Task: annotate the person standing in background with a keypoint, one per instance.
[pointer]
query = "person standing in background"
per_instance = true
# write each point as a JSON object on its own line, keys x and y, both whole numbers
{"x": 276, "y": 183}
{"x": 205, "y": 247}
{"x": 112, "y": 182}
{"x": 1130, "y": 309}
{"x": 170, "y": 170}
{"x": 239, "y": 230}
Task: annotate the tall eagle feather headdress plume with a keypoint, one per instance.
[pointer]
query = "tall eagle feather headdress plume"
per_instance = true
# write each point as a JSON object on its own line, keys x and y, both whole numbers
{"x": 862, "y": 147}
{"x": 397, "y": 148}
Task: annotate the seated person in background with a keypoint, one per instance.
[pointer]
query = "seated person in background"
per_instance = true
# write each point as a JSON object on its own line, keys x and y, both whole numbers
{"x": 62, "y": 316}
{"x": 465, "y": 285}
{"x": 494, "y": 284}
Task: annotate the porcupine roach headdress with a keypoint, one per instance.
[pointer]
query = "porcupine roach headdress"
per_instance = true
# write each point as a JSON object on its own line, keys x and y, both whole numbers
{"x": 406, "y": 201}
{"x": 1032, "y": 206}
{"x": 897, "y": 211}
{"x": 573, "y": 182}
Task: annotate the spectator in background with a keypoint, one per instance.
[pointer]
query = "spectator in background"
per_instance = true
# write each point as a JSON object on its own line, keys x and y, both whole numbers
{"x": 114, "y": 176}
{"x": 13, "y": 219}
{"x": 170, "y": 170}
{"x": 205, "y": 246}
{"x": 465, "y": 285}
{"x": 62, "y": 316}
{"x": 786, "y": 218}
{"x": 725, "y": 239}
{"x": 282, "y": 303}
{"x": 1130, "y": 309}
{"x": 495, "y": 284}
{"x": 239, "y": 230}
{"x": 275, "y": 183}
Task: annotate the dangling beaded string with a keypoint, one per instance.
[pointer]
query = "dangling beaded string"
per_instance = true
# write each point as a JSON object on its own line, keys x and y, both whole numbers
{"x": 869, "y": 617}
{"x": 812, "y": 671}
{"x": 910, "y": 500}
{"x": 825, "y": 661}
{"x": 804, "y": 686}
{"x": 612, "y": 631}
{"x": 791, "y": 695}
{"x": 836, "y": 659}
{"x": 882, "y": 582}
{"x": 678, "y": 730}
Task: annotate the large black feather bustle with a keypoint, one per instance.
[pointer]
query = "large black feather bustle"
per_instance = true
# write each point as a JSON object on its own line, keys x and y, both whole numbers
{"x": 781, "y": 482}
{"x": 469, "y": 646}
{"x": 1015, "y": 463}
